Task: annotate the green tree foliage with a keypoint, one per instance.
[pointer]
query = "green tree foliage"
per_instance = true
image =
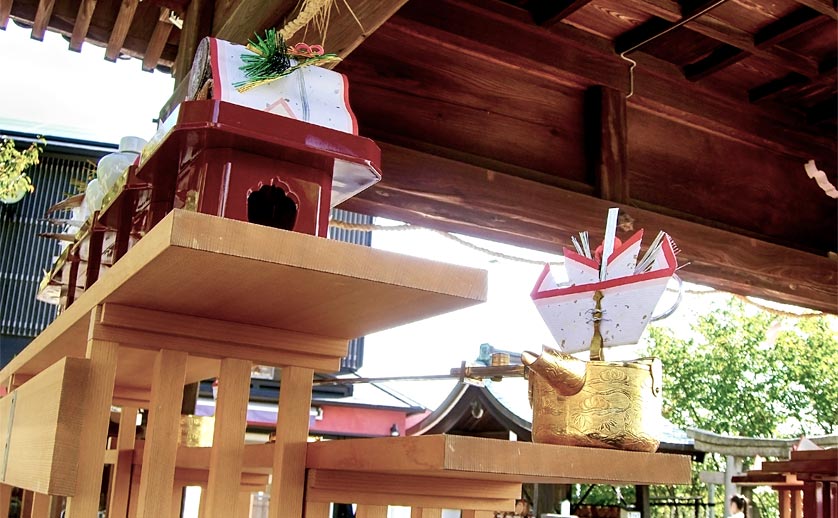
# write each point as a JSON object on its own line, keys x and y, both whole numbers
{"x": 14, "y": 182}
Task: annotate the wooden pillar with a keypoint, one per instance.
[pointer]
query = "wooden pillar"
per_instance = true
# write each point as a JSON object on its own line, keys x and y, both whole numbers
{"x": 177, "y": 500}
{"x": 196, "y": 25}
{"x": 5, "y": 500}
{"x": 290, "y": 449}
{"x": 158, "y": 469}
{"x": 26, "y": 504}
{"x": 243, "y": 508}
{"x": 784, "y": 496}
{"x": 373, "y": 511}
{"x": 40, "y": 505}
{"x": 120, "y": 485}
{"x": 317, "y": 510}
{"x": 422, "y": 512}
{"x": 225, "y": 468}
{"x": 797, "y": 503}
{"x": 94, "y": 428}
{"x": 134, "y": 493}
{"x": 606, "y": 137}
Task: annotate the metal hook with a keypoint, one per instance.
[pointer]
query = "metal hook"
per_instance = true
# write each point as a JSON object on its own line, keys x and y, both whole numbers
{"x": 632, "y": 64}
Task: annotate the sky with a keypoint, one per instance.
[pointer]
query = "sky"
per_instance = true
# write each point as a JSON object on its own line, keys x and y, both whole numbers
{"x": 48, "y": 90}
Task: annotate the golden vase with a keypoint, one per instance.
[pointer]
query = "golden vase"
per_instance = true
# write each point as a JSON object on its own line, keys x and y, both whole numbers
{"x": 597, "y": 403}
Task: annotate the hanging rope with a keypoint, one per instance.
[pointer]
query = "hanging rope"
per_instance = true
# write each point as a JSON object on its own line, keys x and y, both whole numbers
{"x": 513, "y": 258}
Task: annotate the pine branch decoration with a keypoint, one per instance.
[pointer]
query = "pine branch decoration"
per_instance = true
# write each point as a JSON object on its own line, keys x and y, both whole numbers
{"x": 272, "y": 59}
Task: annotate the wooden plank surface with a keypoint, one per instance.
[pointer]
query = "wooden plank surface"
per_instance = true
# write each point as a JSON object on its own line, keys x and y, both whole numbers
{"x": 41, "y": 422}
{"x": 120, "y": 485}
{"x": 196, "y": 264}
{"x": 488, "y": 459}
{"x": 608, "y": 135}
{"x": 127, "y": 9}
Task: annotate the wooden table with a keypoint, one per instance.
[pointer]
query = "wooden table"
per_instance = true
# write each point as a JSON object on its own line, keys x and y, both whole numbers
{"x": 200, "y": 297}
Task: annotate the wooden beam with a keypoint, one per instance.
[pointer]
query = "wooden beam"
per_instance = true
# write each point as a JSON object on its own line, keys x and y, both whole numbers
{"x": 722, "y": 57}
{"x": 82, "y": 24}
{"x": 826, "y": 7}
{"x": 42, "y": 15}
{"x": 127, "y": 9}
{"x": 790, "y": 25}
{"x": 5, "y": 12}
{"x": 775, "y": 88}
{"x": 715, "y": 28}
{"x": 823, "y": 111}
{"x": 427, "y": 190}
{"x": 607, "y": 136}
{"x": 197, "y": 24}
{"x": 248, "y": 17}
{"x": 550, "y": 12}
{"x": 158, "y": 40}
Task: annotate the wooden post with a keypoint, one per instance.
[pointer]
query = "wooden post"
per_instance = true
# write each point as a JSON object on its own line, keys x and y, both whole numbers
{"x": 606, "y": 139}
{"x": 158, "y": 469}
{"x": 290, "y": 449}
{"x": 784, "y": 497}
{"x": 373, "y": 511}
{"x": 120, "y": 485}
{"x": 477, "y": 514}
{"x": 228, "y": 438}
{"x": 243, "y": 510}
{"x": 5, "y": 500}
{"x": 40, "y": 505}
{"x": 642, "y": 501}
{"x": 196, "y": 24}
{"x": 797, "y": 503}
{"x": 177, "y": 500}
{"x": 422, "y": 512}
{"x": 94, "y": 428}
{"x": 317, "y": 510}
{"x": 134, "y": 493}
{"x": 26, "y": 504}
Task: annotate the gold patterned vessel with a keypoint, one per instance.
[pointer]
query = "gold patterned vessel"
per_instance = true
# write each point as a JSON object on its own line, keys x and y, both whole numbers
{"x": 598, "y": 403}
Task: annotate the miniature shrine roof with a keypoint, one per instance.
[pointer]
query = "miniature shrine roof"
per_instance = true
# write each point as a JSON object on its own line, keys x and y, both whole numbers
{"x": 496, "y": 409}
{"x": 510, "y": 120}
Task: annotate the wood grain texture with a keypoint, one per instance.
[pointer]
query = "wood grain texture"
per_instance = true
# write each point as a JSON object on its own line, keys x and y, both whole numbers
{"x": 120, "y": 485}
{"x": 424, "y": 189}
{"x": 380, "y": 289}
{"x": 371, "y": 511}
{"x": 157, "y": 41}
{"x": 41, "y": 422}
{"x": 82, "y": 24}
{"x": 549, "y": 13}
{"x": 608, "y": 141}
{"x": 288, "y": 482}
{"x": 237, "y": 21}
{"x": 40, "y": 505}
{"x": 473, "y": 458}
{"x": 94, "y": 430}
{"x": 121, "y": 26}
{"x": 42, "y": 15}
{"x": 228, "y": 438}
{"x": 5, "y": 500}
{"x": 425, "y": 512}
{"x": 317, "y": 509}
{"x": 826, "y": 7}
{"x": 162, "y": 435}
{"x": 197, "y": 24}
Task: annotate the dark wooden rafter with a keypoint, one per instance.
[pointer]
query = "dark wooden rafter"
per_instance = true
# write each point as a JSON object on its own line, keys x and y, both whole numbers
{"x": 823, "y": 111}
{"x": 825, "y": 7}
{"x": 790, "y": 25}
{"x": 722, "y": 57}
{"x": 197, "y": 24}
{"x": 250, "y": 16}
{"x": 5, "y": 12}
{"x": 550, "y": 12}
{"x": 42, "y": 16}
{"x": 82, "y": 24}
{"x": 719, "y": 30}
{"x": 606, "y": 140}
{"x": 127, "y": 9}
{"x": 158, "y": 40}
{"x": 424, "y": 189}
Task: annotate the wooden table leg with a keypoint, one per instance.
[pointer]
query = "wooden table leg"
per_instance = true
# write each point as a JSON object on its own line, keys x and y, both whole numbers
{"x": 243, "y": 510}
{"x": 317, "y": 510}
{"x": 291, "y": 437}
{"x": 177, "y": 500}
{"x": 225, "y": 468}
{"x": 5, "y": 500}
{"x": 120, "y": 485}
{"x": 40, "y": 505}
{"x": 158, "y": 470}
{"x": 425, "y": 512}
{"x": 94, "y": 428}
{"x": 372, "y": 511}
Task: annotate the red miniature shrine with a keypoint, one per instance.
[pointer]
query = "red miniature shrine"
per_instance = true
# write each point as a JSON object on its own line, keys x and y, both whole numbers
{"x": 254, "y": 166}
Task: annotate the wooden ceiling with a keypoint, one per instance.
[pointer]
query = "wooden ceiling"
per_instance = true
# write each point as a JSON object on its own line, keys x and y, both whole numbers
{"x": 510, "y": 119}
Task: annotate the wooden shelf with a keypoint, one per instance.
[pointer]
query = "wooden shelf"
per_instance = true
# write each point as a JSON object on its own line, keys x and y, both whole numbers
{"x": 460, "y": 457}
{"x": 260, "y": 279}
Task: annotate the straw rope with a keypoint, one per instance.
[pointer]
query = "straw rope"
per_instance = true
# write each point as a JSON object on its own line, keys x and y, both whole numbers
{"x": 508, "y": 257}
